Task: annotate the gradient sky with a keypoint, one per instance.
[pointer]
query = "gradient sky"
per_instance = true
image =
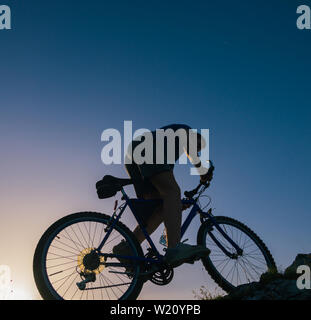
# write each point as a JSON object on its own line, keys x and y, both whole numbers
{"x": 71, "y": 69}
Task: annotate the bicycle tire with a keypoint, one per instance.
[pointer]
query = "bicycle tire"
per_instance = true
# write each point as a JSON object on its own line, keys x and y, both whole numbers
{"x": 209, "y": 265}
{"x": 39, "y": 263}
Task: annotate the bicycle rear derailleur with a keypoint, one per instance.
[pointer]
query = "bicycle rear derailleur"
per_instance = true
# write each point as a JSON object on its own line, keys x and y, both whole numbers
{"x": 86, "y": 278}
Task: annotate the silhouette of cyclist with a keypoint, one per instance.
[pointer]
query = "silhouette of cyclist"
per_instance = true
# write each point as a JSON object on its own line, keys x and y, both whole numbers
{"x": 156, "y": 181}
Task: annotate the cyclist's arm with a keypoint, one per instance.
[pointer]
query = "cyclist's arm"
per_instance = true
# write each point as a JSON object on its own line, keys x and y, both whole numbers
{"x": 195, "y": 160}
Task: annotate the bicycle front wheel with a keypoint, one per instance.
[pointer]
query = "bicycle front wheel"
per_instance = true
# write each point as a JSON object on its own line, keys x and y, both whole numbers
{"x": 231, "y": 271}
{"x": 67, "y": 250}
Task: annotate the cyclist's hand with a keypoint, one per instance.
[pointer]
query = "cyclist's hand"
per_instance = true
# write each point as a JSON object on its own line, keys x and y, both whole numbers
{"x": 206, "y": 177}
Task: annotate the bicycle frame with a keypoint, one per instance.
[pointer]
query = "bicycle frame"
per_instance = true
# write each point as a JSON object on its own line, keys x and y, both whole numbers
{"x": 195, "y": 209}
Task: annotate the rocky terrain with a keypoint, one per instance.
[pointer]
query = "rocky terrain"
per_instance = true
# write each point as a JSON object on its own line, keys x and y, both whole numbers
{"x": 278, "y": 286}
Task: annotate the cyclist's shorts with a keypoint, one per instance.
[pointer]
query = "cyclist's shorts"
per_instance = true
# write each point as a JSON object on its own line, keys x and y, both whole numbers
{"x": 141, "y": 175}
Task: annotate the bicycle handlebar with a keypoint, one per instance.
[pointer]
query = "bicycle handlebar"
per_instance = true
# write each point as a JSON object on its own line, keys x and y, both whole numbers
{"x": 192, "y": 193}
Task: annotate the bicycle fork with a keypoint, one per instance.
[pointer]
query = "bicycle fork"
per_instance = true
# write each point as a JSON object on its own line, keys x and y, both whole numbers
{"x": 239, "y": 251}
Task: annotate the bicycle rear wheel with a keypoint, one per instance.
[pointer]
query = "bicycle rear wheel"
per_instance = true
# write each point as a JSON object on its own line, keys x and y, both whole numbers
{"x": 65, "y": 250}
{"x": 229, "y": 272}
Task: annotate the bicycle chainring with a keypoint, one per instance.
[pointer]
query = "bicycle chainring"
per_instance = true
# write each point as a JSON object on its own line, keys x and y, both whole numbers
{"x": 161, "y": 277}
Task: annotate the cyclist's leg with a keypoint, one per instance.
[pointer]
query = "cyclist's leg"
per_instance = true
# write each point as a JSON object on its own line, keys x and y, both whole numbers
{"x": 162, "y": 178}
{"x": 154, "y": 220}
{"x": 138, "y": 181}
{"x": 154, "y": 182}
{"x": 169, "y": 191}
{"x": 158, "y": 181}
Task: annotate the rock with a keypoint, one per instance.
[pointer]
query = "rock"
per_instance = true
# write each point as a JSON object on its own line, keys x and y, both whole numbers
{"x": 269, "y": 276}
{"x": 243, "y": 290}
{"x": 274, "y": 285}
{"x": 301, "y": 259}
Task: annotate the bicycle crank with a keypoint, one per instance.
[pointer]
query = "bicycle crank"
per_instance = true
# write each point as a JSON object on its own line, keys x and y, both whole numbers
{"x": 163, "y": 274}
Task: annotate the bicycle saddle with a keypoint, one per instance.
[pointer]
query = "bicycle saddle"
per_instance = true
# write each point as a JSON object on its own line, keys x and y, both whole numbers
{"x": 109, "y": 186}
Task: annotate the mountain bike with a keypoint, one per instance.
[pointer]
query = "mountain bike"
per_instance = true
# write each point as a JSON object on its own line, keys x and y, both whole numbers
{"x": 74, "y": 258}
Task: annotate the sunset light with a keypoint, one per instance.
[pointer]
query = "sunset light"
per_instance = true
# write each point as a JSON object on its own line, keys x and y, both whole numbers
{"x": 155, "y": 150}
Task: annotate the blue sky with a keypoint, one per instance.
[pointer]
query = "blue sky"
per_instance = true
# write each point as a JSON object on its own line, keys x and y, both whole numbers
{"x": 70, "y": 70}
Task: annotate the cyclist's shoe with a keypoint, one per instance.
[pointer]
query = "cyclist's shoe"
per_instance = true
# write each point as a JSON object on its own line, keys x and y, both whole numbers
{"x": 123, "y": 249}
{"x": 184, "y": 253}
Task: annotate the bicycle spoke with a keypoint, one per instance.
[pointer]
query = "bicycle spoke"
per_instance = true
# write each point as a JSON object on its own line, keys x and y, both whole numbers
{"x": 82, "y": 235}
{"x": 101, "y": 283}
{"x": 61, "y": 264}
{"x": 104, "y": 278}
{"x": 71, "y": 228}
{"x": 94, "y": 234}
{"x": 58, "y": 272}
{"x": 74, "y": 294}
{"x": 64, "y": 262}
{"x": 63, "y": 249}
{"x": 70, "y": 239}
{"x": 67, "y": 278}
{"x": 241, "y": 269}
{"x": 70, "y": 285}
{"x": 60, "y": 257}
{"x": 66, "y": 245}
